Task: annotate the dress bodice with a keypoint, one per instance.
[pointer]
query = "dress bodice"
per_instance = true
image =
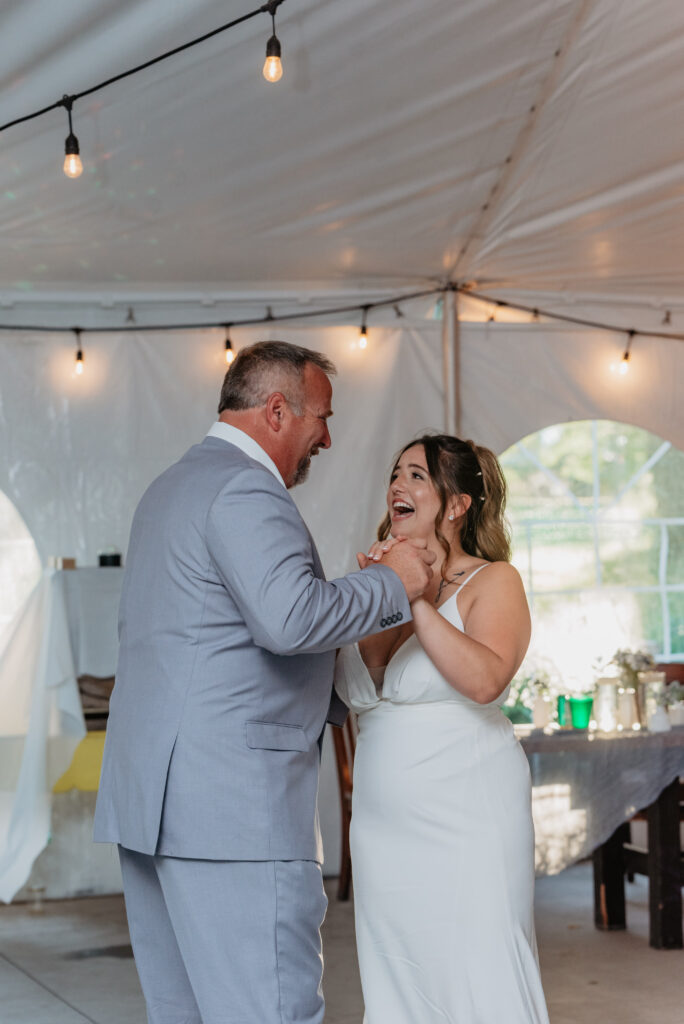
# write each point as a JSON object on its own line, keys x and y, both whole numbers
{"x": 410, "y": 676}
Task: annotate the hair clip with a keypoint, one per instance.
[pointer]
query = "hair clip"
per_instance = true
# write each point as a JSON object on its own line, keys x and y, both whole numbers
{"x": 482, "y": 497}
{"x": 479, "y": 474}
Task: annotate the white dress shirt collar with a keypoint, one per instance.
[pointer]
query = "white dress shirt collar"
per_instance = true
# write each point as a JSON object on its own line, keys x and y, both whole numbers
{"x": 247, "y": 444}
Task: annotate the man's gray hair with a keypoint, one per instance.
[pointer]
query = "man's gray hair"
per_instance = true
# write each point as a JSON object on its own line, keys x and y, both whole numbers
{"x": 268, "y": 366}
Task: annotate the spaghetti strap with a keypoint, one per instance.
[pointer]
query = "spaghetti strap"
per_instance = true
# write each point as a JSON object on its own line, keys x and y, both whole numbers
{"x": 469, "y": 578}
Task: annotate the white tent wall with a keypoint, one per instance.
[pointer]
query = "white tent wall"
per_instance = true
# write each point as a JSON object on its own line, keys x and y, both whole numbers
{"x": 77, "y": 452}
{"x": 518, "y": 378}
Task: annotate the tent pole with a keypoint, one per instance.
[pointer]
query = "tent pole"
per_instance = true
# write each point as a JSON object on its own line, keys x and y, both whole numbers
{"x": 451, "y": 358}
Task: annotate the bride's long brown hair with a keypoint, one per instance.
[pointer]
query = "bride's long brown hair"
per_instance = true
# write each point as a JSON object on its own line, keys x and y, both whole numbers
{"x": 463, "y": 467}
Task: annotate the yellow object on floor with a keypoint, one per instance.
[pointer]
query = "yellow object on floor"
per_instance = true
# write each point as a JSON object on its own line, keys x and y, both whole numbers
{"x": 84, "y": 771}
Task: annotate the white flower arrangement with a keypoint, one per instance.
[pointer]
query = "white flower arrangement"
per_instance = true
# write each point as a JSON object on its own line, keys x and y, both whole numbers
{"x": 633, "y": 661}
{"x": 672, "y": 694}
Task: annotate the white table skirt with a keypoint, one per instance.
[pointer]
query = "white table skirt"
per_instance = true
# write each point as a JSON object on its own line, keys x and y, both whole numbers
{"x": 66, "y": 628}
{"x": 92, "y": 603}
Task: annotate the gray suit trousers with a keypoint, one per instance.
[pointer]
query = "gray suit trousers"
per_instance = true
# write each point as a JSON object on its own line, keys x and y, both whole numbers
{"x": 226, "y": 942}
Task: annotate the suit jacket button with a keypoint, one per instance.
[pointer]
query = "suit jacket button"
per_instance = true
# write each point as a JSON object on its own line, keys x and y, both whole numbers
{"x": 394, "y": 618}
{"x": 383, "y": 623}
{"x": 400, "y": 616}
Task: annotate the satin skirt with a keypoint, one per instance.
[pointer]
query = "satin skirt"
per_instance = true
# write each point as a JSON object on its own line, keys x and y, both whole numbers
{"x": 443, "y": 861}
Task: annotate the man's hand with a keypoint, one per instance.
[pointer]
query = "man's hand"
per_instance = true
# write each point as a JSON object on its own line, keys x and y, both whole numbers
{"x": 377, "y": 551}
{"x": 411, "y": 562}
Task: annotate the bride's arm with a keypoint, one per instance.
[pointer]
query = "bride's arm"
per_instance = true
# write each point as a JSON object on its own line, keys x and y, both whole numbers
{"x": 481, "y": 662}
{"x": 376, "y": 650}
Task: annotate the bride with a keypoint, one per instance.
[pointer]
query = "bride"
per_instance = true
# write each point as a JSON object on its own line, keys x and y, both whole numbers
{"x": 441, "y": 837}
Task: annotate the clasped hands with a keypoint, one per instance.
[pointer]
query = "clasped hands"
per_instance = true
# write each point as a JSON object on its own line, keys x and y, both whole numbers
{"x": 410, "y": 559}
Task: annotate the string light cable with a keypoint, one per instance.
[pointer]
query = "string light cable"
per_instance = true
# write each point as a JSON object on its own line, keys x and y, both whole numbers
{"x": 270, "y": 318}
{"x": 68, "y": 100}
{"x": 364, "y": 309}
{"x": 547, "y": 314}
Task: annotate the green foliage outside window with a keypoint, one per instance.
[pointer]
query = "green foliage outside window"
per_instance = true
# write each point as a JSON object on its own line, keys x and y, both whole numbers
{"x": 597, "y": 513}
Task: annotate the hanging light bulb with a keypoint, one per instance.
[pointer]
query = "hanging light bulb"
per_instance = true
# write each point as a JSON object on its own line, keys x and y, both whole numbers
{"x": 273, "y": 68}
{"x": 623, "y": 366}
{"x": 73, "y": 165}
{"x": 230, "y": 354}
{"x": 79, "y": 352}
{"x": 363, "y": 333}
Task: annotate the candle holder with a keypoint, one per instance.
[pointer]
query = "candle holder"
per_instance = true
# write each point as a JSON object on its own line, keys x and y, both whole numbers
{"x": 606, "y": 704}
{"x": 650, "y": 689}
{"x": 37, "y": 895}
{"x": 628, "y": 709}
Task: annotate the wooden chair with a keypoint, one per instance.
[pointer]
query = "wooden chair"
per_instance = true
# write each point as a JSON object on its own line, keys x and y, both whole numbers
{"x": 662, "y": 863}
{"x": 636, "y": 858}
{"x": 345, "y": 745}
{"x": 95, "y": 693}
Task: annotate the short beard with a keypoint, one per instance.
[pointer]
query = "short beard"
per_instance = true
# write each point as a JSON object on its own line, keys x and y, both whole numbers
{"x": 302, "y": 471}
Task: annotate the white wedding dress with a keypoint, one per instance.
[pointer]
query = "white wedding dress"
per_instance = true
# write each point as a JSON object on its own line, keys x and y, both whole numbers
{"x": 442, "y": 849}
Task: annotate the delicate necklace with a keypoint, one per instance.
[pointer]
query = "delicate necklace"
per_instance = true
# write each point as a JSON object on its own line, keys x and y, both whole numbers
{"x": 447, "y": 583}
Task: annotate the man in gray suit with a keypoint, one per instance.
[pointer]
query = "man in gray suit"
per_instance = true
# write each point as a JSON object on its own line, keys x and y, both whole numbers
{"x": 228, "y": 630}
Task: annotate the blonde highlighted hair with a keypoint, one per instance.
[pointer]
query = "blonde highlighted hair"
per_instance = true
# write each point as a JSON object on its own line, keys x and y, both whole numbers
{"x": 463, "y": 467}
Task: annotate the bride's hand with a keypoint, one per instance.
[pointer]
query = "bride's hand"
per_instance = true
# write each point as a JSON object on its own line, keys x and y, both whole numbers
{"x": 376, "y": 551}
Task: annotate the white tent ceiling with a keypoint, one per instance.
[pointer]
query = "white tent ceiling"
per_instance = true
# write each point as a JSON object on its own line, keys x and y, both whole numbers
{"x": 535, "y": 148}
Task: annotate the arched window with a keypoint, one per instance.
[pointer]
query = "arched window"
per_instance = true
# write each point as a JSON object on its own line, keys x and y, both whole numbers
{"x": 19, "y": 562}
{"x": 597, "y": 511}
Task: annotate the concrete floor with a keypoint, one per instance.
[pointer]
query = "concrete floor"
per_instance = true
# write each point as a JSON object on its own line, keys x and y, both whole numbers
{"x": 72, "y": 963}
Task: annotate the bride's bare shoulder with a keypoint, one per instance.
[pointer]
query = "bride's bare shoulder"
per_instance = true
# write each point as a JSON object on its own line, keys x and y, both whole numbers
{"x": 498, "y": 575}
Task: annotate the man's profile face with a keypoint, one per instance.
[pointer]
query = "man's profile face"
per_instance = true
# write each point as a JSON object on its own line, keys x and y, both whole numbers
{"x": 308, "y": 432}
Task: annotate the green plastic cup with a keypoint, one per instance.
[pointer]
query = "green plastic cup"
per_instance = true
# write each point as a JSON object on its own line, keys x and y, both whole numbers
{"x": 580, "y": 711}
{"x": 562, "y": 709}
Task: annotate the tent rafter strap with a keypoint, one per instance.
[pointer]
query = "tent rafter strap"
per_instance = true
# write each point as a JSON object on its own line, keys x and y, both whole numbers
{"x": 491, "y": 206}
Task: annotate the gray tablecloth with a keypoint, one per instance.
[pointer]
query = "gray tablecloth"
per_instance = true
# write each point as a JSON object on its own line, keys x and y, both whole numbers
{"x": 585, "y": 785}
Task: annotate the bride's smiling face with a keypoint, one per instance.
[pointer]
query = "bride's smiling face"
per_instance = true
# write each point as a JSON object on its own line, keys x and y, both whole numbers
{"x": 412, "y": 499}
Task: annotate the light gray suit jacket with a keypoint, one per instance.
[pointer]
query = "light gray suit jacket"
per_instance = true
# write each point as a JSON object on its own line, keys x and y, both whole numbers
{"x": 227, "y": 633}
